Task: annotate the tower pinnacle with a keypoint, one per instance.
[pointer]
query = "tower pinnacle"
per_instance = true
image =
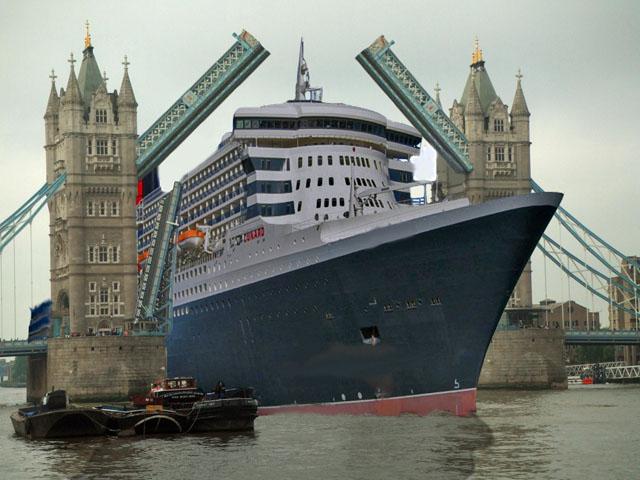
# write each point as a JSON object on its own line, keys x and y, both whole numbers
{"x": 519, "y": 107}
{"x": 437, "y": 89}
{"x": 87, "y": 38}
{"x": 476, "y": 56}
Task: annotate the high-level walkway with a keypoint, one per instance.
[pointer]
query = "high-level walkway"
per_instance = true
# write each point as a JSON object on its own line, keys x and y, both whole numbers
{"x": 602, "y": 337}
{"x": 19, "y": 348}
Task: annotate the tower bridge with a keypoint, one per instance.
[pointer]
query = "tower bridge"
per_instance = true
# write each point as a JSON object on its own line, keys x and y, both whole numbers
{"x": 98, "y": 169}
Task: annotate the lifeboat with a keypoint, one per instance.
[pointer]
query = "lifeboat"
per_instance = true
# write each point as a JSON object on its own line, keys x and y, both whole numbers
{"x": 190, "y": 239}
{"x": 142, "y": 259}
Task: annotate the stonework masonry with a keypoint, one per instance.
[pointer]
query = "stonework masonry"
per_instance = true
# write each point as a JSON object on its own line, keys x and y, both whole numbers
{"x": 90, "y": 136}
{"x": 106, "y": 368}
{"x": 525, "y": 358}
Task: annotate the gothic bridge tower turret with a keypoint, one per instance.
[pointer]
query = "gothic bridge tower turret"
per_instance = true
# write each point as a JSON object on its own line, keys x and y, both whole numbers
{"x": 90, "y": 134}
{"x": 499, "y": 150}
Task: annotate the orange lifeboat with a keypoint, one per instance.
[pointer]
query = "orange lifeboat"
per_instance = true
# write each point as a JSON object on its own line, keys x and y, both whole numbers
{"x": 142, "y": 259}
{"x": 190, "y": 239}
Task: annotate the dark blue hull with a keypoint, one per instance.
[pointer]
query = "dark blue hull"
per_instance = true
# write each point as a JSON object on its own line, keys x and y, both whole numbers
{"x": 434, "y": 299}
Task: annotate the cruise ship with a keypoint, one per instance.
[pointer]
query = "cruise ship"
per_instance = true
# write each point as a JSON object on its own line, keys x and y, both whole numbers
{"x": 306, "y": 271}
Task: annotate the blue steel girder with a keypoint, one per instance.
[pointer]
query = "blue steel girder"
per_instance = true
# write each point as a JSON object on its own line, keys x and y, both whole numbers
{"x": 199, "y": 101}
{"x": 584, "y": 283}
{"x": 565, "y": 219}
{"x": 602, "y": 337}
{"x": 416, "y": 104}
{"x": 24, "y": 215}
{"x": 619, "y": 284}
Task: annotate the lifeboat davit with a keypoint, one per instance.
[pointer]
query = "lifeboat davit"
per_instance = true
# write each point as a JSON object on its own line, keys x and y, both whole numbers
{"x": 142, "y": 259}
{"x": 190, "y": 239}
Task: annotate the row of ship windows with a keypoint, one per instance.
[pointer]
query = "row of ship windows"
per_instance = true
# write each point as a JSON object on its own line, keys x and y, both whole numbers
{"x": 347, "y": 160}
{"x": 216, "y": 184}
{"x": 359, "y": 181}
{"x": 410, "y": 304}
{"x": 215, "y": 167}
{"x": 333, "y": 123}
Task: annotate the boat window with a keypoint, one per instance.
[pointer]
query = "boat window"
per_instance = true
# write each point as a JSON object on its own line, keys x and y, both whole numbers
{"x": 326, "y": 216}
{"x": 347, "y": 180}
{"x": 298, "y": 185}
{"x": 308, "y": 182}
{"x": 368, "y": 164}
{"x": 334, "y": 202}
{"x": 345, "y": 214}
{"x": 326, "y": 202}
{"x": 299, "y": 206}
{"x": 358, "y": 181}
{"x": 330, "y": 180}
{"x": 319, "y": 160}
{"x": 358, "y": 161}
{"x": 299, "y": 162}
{"x": 330, "y": 160}
{"x": 342, "y": 201}
{"x": 317, "y": 217}
{"x": 310, "y": 161}
{"x": 353, "y": 161}
{"x": 319, "y": 181}
{"x": 318, "y": 203}
{"x": 341, "y": 160}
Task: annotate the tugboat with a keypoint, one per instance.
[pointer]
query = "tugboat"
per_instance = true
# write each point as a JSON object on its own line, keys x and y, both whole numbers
{"x": 56, "y": 418}
{"x": 178, "y": 405}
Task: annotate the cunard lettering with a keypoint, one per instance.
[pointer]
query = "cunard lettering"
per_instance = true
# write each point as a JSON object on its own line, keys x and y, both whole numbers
{"x": 253, "y": 234}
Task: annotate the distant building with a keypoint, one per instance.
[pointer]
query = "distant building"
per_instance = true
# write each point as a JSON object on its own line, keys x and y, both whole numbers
{"x": 568, "y": 315}
{"x": 624, "y": 319}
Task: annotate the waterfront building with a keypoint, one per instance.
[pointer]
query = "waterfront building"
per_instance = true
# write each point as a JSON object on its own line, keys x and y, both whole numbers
{"x": 90, "y": 135}
{"x": 621, "y": 319}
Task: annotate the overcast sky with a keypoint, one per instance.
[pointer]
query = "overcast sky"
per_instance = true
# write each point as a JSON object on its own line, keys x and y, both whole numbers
{"x": 580, "y": 60}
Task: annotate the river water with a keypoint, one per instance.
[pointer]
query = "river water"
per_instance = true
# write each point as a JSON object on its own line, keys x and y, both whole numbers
{"x": 586, "y": 432}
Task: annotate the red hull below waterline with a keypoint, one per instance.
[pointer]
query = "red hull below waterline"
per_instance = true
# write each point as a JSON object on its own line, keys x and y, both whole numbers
{"x": 458, "y": 402}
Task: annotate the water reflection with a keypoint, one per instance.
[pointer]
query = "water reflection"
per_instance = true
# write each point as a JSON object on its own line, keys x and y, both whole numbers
{"x": 515, "y": 435}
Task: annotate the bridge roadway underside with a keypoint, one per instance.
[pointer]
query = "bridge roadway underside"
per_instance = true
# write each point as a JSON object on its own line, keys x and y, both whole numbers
{"x": 602, "y": 337}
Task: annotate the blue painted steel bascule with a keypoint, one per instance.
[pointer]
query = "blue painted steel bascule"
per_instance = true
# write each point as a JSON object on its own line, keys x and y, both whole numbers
{"x": 416, "y": 104}
{"x": 424, "y": 114}
{"x": 198, "y": 102}
{"x": 155, "y": 299}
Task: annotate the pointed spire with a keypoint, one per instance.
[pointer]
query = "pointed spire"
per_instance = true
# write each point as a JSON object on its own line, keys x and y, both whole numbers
{"x": 476, "y": 56}
{"x": 87, "y": 38}
{"x": 437, "y": 89}
{"x": 126, "y": 96}
{"x": 473, "y": 106}
{"x": 519, "y": 107}
{"x": 89, "y": 77}
{"x": 54, "y": 100}
{"x": 72, "y": 94}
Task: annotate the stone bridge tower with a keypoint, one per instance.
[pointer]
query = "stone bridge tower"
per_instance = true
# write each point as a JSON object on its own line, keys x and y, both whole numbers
{"x": 498, "y": 149}
{"x": 91, "y": 135}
